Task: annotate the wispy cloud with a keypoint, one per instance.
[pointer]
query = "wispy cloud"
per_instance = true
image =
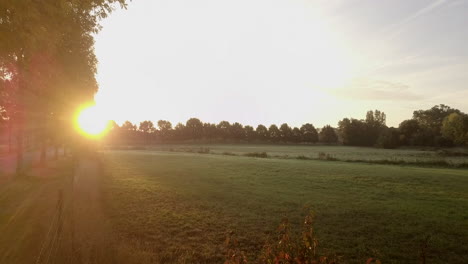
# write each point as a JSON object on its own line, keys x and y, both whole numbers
{"x": 398, "y": 28}
{"x": 370, "y": 89}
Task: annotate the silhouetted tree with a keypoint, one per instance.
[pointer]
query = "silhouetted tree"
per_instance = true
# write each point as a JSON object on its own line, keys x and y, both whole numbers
{"x": 194, "y": 128}
{"x": 165, "y": 129}
{"x": 328, "y": 135}
{"x": 296, "y": 135}
{"x": 128, "y": 126}
{"x": 309, "y": 133}
{"x": 274, "y": 133}
{"x": 180, "y": 132}
{"x": 262, "y": 133}
{"x": 237, "y": 131}
{"x": 210, "y": 131}
{"x": 409, "y": 129}
{"x": 388, "y": 138}
{"x": 146, "y": 127}
{"x": 250, "y": 134}
{"x": 224, "y": 128}
{"x": 285, "y": 133}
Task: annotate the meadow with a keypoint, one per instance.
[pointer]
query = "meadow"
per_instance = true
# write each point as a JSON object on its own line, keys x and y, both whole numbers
{"x": 454, "y": 157}
{"x": 174, "y": 206}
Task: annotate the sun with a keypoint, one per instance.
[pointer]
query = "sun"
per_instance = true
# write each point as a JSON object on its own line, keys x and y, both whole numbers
{"x": 92, "y": 121}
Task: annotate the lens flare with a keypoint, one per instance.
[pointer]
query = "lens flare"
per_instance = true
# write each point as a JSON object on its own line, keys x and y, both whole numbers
{"x": 92, "y": 121}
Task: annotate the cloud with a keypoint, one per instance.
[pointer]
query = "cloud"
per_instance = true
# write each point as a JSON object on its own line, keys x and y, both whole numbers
{"x": 399, "y": 27}
{"x": 369, "y": 89}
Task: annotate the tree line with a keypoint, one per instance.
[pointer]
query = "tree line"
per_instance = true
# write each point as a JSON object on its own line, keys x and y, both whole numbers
{"x": 47, "y": 67}
{"x": 439, "y": 126}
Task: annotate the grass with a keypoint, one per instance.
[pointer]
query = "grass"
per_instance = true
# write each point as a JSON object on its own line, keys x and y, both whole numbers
{"x": 414, "y": 157}
{"x": 179, "y": 207}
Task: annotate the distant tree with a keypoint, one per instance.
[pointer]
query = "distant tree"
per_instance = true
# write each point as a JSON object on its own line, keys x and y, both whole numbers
{"x": 113, "y": 125}
{"x": 328, "y": 135}
{"x": 128, "y": 126}
{"x": 180, "y": 132}
{"x": 165, "y": 128}
{"x": 194, "y": 128}
{"x": 354, "y": 132}
{"x": 430, "y": 122}
{"x": 224, "y": 128}
{"x": 296, "y": 135}
{"x": 274, "y": 133}
{"x": 309, "y": 133}
{"x": 408, "y": 131}
{"x": 375, "y": 124}
{"x": 285, "y": 133}
{"x": 389, "y": 138}
{"x": 210, "y": 131}
{"x": 250, "y": 134}
{"x": 433, "y": 118}
{"x": 237, "y": 131}
{"x": 146, "y": 127}
{"x": 455, "y": 128}
{"x": 262, "y": 133}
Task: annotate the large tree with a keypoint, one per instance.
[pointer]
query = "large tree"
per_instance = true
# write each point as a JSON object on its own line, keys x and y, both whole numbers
{"x": 309, "y": 133}
{"x": 38, "y": 41}
{"x": 455, "y": 128}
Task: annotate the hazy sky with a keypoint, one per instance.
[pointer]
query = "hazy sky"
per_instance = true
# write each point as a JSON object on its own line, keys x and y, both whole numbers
{"x": 276, "y": 61}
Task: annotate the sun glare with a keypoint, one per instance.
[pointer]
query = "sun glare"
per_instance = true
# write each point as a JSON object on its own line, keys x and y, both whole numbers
{"x": 92, "y": 121}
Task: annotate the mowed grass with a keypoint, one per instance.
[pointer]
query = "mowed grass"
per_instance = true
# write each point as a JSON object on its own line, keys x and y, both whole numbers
{"x": 342, "y": 153}
{"x": 178, "y": 207}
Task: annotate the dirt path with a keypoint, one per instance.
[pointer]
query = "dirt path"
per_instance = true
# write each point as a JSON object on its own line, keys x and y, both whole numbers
{"x": 91, "y": 235}
{"x": 56, "y": 217}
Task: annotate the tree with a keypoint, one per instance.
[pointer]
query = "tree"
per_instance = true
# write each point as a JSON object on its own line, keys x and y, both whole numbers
{"x": 328, "y": 135}
{"x": 250, "y": 134}
{"x": 38, "y": 38}
{"x": 430, "y": 122}
{"x": 389, "y": 138}
{"x": 146, "y": 127}
{"x": 262, "y": 133}
{"x": 237, "y": 131}
{"x": 128, "y": 126}
{"x": 194, "y": 128}
{"x": 455, "y": 128}
{"x": 274, "y": 133}
{"x": 179, "y": 132}
{"x": 210, "y": 131}
{"x": 408, "y": 130}
{"x": 309, "y": 133}
{"x": 165, "y": 128}
{"x": 224, "y": 128}
{"x": 285, "y": 133}
{"x": 296, "y": 135}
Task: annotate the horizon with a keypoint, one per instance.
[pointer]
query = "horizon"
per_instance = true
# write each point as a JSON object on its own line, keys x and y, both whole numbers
{"x": 285, "y": 62}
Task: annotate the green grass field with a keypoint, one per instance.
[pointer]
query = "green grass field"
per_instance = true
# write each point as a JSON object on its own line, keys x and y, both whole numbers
{"x": 178, "y": 207}
{"x": 342, "y": 153}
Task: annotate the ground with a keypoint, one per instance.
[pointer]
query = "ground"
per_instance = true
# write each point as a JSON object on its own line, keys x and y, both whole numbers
{"x": 166, "y": 206}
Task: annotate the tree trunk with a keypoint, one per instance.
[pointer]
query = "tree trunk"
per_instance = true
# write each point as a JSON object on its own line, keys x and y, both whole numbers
{"x": 9, "y": 136}
{"x": 19, "y": 150}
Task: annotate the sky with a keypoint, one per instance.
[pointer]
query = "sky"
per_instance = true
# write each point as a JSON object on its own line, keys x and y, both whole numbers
{"x": 282, "y": 61}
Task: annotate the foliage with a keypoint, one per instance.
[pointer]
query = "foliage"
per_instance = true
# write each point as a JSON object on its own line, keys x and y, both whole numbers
{"x": 328, "y": 135}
